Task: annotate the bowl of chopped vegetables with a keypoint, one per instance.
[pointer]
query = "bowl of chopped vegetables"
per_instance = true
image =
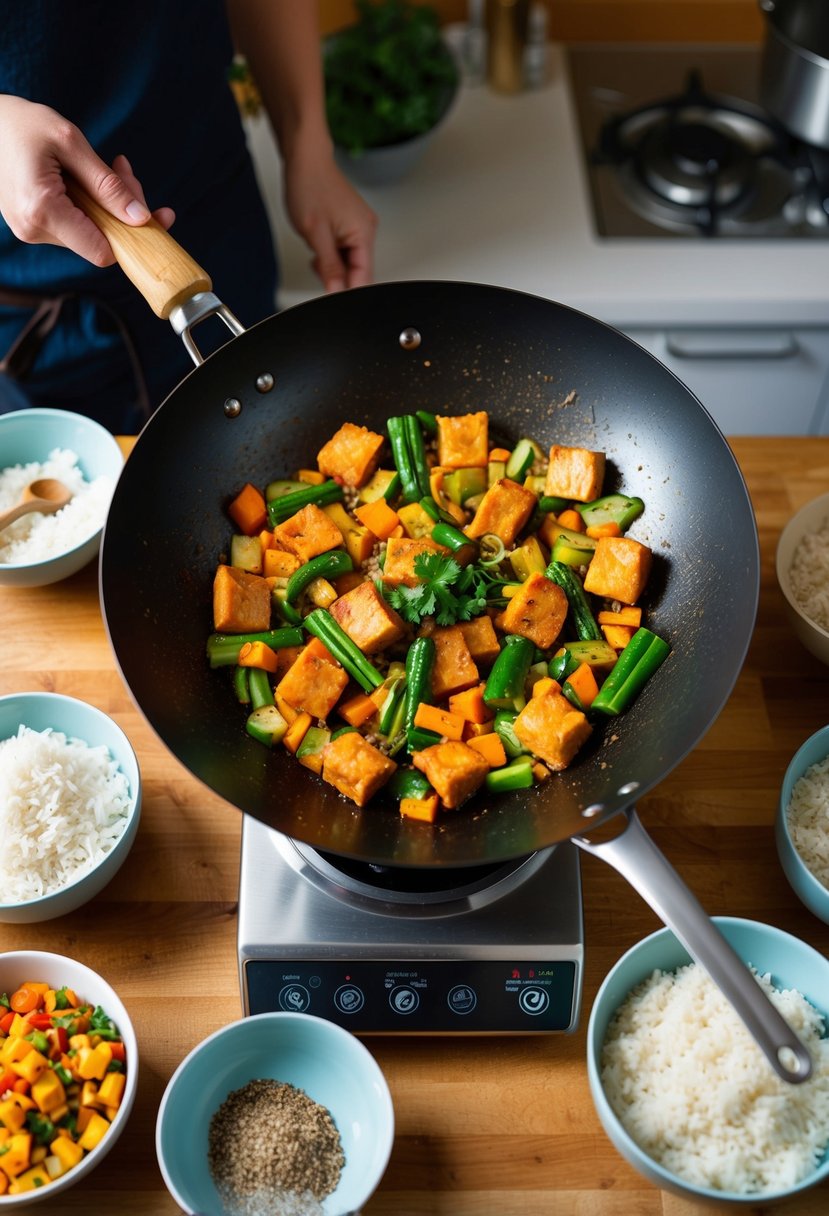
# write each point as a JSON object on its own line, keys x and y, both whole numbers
{"x": 802, "y": 565}
{"x": 801, "y": 828}
{"x": 70, "y": 804}
{"x": 68, "y": 1074}
{"x": 307, "y": 1093}
{"x": 36, "y": 444}
{"x": 683, "y": 1091}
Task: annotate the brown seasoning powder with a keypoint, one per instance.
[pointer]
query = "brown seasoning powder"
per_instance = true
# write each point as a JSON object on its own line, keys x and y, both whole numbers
{"x": 273, "y": 1149}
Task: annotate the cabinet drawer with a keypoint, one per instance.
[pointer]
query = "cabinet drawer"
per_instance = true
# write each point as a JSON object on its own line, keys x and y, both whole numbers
{"x": 752, "y": 381}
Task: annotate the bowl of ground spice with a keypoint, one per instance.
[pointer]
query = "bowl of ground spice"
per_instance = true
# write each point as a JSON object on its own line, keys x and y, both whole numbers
{"x": 280, "y": 1114}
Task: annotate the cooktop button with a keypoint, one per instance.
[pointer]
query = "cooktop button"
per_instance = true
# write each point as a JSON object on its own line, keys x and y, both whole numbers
{"x": 294, "y": 998}
{"x": 533, "y": 1000}
{"x": 349, "y": 998}
{"x": 404, "y": 999}
{"x": 462, "y": 999}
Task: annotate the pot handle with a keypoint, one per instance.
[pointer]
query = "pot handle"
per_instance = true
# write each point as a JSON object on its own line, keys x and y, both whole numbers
{"x": 636, "y": 857}
{"x": 170, "y": 280}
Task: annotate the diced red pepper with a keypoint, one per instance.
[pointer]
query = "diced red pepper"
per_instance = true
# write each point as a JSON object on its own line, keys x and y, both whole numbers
{"x": 7, "y": 1080}
{"x": 6, "y": 1021}
{"x": 119, "y": 1051}
{"x": 40, "y": 1021}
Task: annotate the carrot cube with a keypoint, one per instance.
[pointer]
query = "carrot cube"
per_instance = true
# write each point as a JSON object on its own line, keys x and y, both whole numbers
{"x": 425, "y": 809}
{"x": 470, "y": 704}
{"x": 490, "y": 747}
{"x": 357, "y": 710}
{"x": 429, "y": 717}
{"x": 296, "y": 731}
{"x": 378, "y": 517}
{"x": 258, "y": 654}
{"x": 248, "y": 510}
{"x": 617, "y": 636}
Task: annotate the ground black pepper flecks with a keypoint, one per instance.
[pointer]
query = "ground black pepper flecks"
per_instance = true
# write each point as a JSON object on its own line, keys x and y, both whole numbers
{"x": 273, "y": 1151}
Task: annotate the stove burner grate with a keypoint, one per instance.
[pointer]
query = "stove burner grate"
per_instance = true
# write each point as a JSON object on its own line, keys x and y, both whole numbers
{"x": 702, "y": 163}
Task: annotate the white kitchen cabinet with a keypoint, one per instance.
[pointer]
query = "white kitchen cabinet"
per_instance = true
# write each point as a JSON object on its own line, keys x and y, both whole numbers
{"x": 753, "y": 381}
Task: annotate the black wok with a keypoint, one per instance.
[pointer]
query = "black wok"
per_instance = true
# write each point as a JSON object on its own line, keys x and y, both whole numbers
{"x": 263, "y": 405}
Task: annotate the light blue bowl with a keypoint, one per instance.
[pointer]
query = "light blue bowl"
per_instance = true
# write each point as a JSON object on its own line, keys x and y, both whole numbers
{"x": 801, "y": 879}
{"x": 78, "y": 720}
{"x": 792, "y": 964}
{"x": 319, "y": 1057}
{"x": 30, "y": 435}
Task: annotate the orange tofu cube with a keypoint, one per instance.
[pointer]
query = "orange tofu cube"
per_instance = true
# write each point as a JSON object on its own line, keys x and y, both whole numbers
{"x": 241, "y": 601}
{"x": 537, "y": 611}
{"x": 552, "y": 728}
{"x": 368, "y": 619}
{"x": 355, "y": 767}
{"x": 505, "y": 509}
{"x": 482, "y": 640}
{"x": 351, "y": 455}
{"x": 312, "y": 684}
{"x": 454, "y": 668}
{"x": 619, "y": 569}
{"x": 576, "y": 473}
{"x": 463, "y": 441}
{"x": 308, "y": 533}
{"x": 453, "y": 769}
{"x": 401, "y": 552}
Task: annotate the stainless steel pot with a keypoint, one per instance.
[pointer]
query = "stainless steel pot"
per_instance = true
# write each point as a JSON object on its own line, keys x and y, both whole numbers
{"x": 795, "y": 68}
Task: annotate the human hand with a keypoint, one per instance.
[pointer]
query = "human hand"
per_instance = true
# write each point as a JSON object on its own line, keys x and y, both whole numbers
{"x": 334, "y": 220}
{"x": 38, "y": 145}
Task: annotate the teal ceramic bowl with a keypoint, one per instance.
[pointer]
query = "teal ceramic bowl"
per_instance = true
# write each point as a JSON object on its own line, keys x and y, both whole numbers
{"x": 57, "y": 970}
{"x": 809, "y": 889}
{"x": 77, "y": 720}
{"x": 28, "y": 436}
{"x": 791, "y": 963}
{"x": 326, "y": 1061}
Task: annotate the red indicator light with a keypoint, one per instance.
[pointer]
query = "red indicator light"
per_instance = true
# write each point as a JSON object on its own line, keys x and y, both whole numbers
{"x": 516, "y": 974}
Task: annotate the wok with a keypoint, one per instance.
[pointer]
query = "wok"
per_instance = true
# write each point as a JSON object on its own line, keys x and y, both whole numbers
{"x": 263, "y": 404}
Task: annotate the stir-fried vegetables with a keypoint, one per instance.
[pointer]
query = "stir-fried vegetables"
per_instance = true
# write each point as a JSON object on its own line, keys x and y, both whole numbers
{"x": 62, "y": 1080}
{"x": 473, "y": 611}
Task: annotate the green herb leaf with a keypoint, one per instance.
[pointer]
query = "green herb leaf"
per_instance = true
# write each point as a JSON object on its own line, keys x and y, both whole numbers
{"x": 42, "y": 1129}
{"x": 447, "y": 592}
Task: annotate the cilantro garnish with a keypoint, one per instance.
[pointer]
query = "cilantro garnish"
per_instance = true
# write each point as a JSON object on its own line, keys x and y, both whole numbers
{"x": 448, "y": 592}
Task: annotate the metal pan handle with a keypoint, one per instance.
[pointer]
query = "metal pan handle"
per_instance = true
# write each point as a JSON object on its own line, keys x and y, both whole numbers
{"x": 170, "y": 280}
{"x": 636, "y": 857}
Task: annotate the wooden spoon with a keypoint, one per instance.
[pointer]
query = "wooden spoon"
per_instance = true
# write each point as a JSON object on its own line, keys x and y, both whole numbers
{"x": 46, "y": 495}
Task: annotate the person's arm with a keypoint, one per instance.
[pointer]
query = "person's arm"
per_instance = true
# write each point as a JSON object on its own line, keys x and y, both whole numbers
{"x": 280, "y": 40}
{"x": 36, "y": 146}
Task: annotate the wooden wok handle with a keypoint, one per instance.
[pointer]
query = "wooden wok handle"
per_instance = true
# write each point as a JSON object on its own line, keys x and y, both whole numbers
{"x": 163, "y": 272}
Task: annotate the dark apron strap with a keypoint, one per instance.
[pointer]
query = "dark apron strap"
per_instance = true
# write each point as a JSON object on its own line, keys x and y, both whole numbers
{"x": 19, "y": 359}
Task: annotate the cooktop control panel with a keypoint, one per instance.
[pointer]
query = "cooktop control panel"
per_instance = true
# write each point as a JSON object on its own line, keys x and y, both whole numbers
{"x": 376, "y": 997}
{"x": 497, "y": 950}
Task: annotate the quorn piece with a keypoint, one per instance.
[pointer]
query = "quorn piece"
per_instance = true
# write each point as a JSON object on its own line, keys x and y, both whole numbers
{"x": 552, "y": 728}
{"x": 241, "y": 601}
{"x": 351, "y": 455}
{"x": 505, "y": 509}
{"x": 308, "y": 533}
{"x": 619, "y": 569}
{"x": 401, "y": 552}
{"x": 537, "y": 611}
{"x": 368, "y": 619}
{"x": 454, "y": 669}
{"x": 454, "y": 770}
{"x": 575, "y": 473}
{"x": 313, "y": 684}
{"x": 356, "y": 767}
{"x": 463, "y": 440}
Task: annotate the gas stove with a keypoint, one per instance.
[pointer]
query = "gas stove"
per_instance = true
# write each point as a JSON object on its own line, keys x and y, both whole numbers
{"x": 676, "y": 144}
{"x": 494, "y": 949}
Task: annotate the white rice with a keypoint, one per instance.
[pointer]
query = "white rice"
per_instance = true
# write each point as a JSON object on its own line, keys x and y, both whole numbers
{"x": 807, "y": 818}
{"x": 35, "y": 537}
{"x": 809, "y": 575}
{"x": 63, "y": 807}
{"x": 693, "y": 1089}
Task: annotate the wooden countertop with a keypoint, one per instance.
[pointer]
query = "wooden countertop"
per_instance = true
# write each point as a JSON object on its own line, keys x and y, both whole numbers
{"x": 484, "y": 1126}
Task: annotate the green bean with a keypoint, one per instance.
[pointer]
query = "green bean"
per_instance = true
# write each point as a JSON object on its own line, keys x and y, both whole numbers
{"x": 505, "y": 686}
{"x": 636, "y": 664}
{"x": 223, "y": 648}
{"x": 409, "y": 486}
{"x": 417, "y": 451}
{"x": 282, "y": 508}
{"x": 261, "y": 692}
{"x": 326, "y": 565}
{"x": 420, "y": 659}
{"x": 323, "y": 626}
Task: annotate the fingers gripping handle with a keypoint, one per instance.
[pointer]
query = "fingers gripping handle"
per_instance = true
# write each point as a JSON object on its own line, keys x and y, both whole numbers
{"x": 152, "y": 260}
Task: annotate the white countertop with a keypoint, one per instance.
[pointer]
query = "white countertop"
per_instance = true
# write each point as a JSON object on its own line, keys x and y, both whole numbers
{"x": 501, "y": 197}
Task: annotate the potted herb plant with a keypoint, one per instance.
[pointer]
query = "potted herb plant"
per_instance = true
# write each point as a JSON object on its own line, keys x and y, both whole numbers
{"x": 389, "y": 81}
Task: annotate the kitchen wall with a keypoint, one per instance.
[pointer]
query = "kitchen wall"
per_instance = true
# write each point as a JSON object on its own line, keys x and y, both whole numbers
{"x": 615, "y": 20}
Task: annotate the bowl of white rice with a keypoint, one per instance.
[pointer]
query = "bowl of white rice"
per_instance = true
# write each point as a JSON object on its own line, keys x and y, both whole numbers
{"x": 802, "y": 564}
{"x": 801, "y": 828}
{"x": 70, "y": 803}
{"x": 682, "y": 1089}
{"x": 39, "y": 443}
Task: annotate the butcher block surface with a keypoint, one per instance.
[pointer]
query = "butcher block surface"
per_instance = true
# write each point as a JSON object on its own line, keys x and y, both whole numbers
{"x": 484, "y": 1126}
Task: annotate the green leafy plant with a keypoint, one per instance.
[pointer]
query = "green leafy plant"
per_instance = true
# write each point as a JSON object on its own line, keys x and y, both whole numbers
{"x": 388, "y": 77}
{"x": 447, "y": 591}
